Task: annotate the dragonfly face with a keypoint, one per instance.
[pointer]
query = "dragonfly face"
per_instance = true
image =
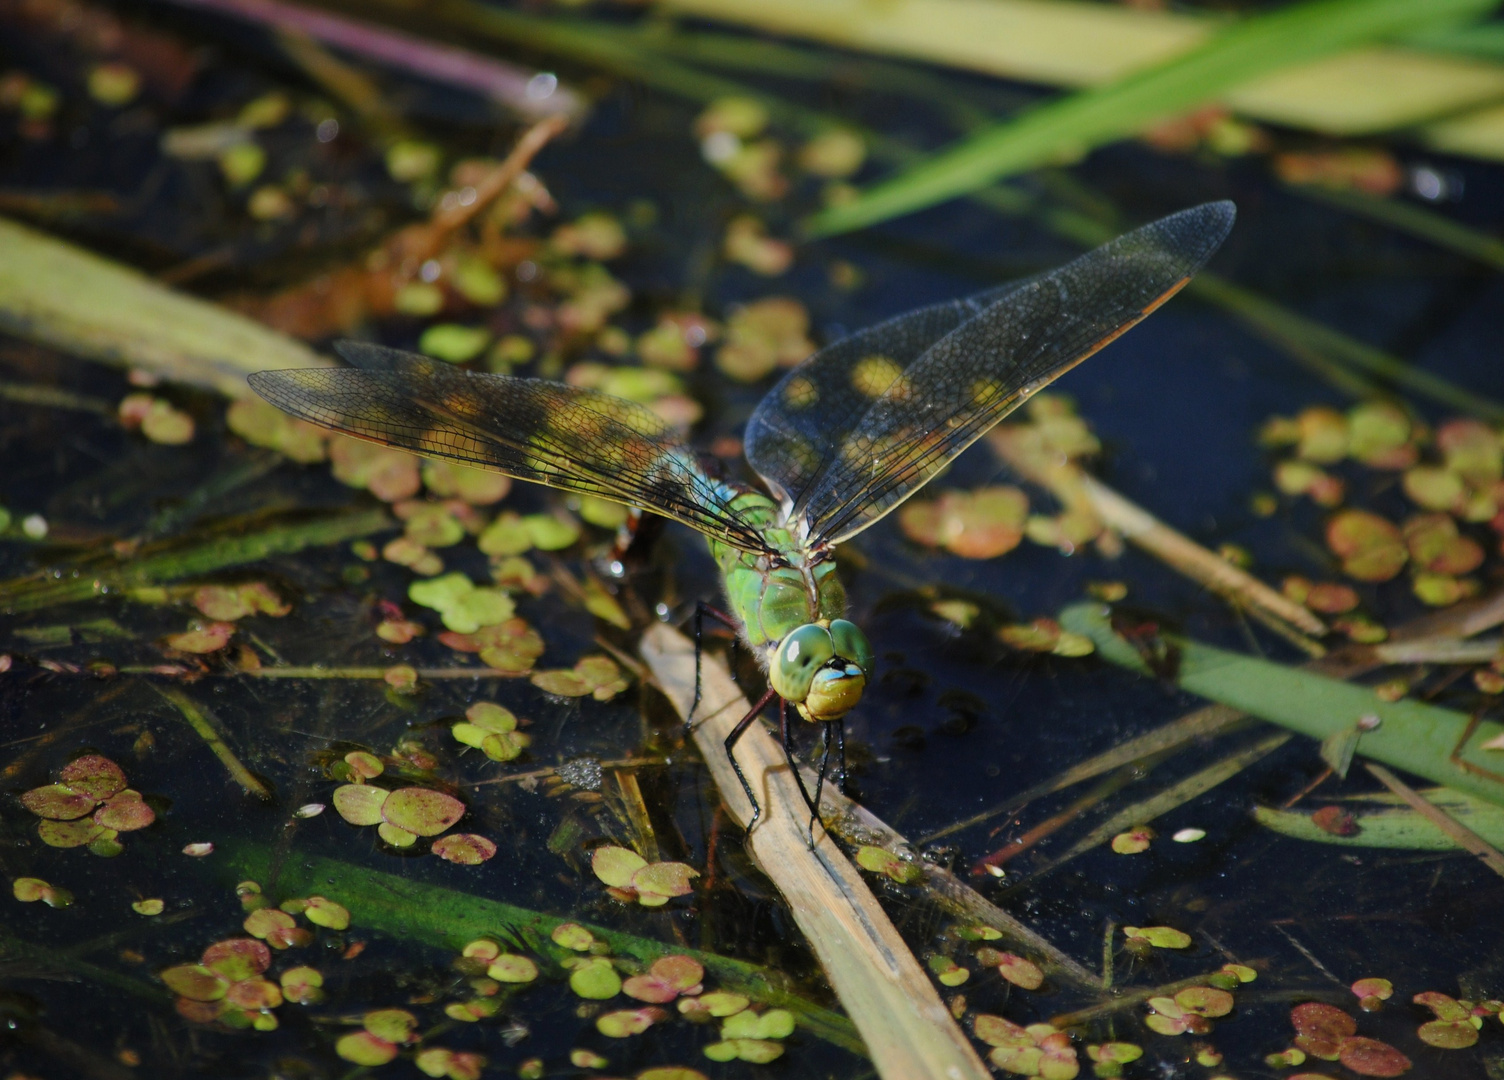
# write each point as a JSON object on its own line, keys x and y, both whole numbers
{"x": 822, "y": 668}
{"x": 840, "y": 442}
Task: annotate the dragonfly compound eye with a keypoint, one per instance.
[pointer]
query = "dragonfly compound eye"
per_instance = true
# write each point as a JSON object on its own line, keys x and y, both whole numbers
{"x": 852, "y": 644}
{"x": 800, "y": 654}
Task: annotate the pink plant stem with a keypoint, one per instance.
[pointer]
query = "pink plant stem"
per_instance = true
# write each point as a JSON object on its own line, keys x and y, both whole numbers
{"x": 534, "y": 95}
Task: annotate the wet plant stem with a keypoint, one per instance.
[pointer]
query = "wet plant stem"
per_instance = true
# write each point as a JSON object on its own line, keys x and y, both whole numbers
{"x": 200, "y": 721}
{"x": 1490, "y": 855}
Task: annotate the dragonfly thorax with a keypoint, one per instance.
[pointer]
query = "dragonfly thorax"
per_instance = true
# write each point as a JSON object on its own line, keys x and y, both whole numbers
{"x": 822, "y": 668}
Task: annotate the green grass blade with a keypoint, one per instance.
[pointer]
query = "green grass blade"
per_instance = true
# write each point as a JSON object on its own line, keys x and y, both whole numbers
{"x": 1411, "y": 735}
{"x": 1396, "y": 827}
{"x": 1063, "y": 128}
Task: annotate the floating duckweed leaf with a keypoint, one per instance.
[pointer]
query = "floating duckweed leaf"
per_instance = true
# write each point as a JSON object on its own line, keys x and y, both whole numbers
{"x": 627, "y": 1022}
{"x": 148, "y": 907}
{"x": 1379, "y": 436}
{"x": 669, "y": 1072}
{"x": 1455, "y": 1026}
{"x": 302, "y": 985}
{"x": 254, "y": 994}
{"x": 1168, "y": 1018}
{"x": 396, "y": 836}
{"x": 573, "y": 936}
{"x": 669, "y": 977}
{"x": 194, "y": 982}
{"x": 1242, "y": 972}
{"x": 198, "y": 849}
{"x": 468, "y": 1012}
{"x": 505, "y": 536}
{"x": 1133, "y": 841}
{"x": 1371, "y": 549}
{"x": 403, "y": 678}
{"x": 481, "y": 949}
{"x": 1161, "y": 937}
{"x": 593, "y": 978}
{"x": 753, "y": 1051}
{"x": 398, "y": 631}
{"x": 1439, "y": 590}
{"x": 1436, "y": 546}
{"x": 947, "y": 972}
{"x": 157, "y": 419}
{"x": 982, "y": 524}
{"x": 978, "y": 933}
{"x": 464, "y": 606}
{"x": 833, "y": 154}
{"x": 69, "y": 834}
{"x": 656, "y": 883}
{"x": 231, "y": 602}
{"x": 587, "y": 1059}
{"x": 326, "y": 913}
{"x": 261, "y": 423}
{"x": 1331, "y": 599}
{"x": 93, "y": 775}
{"x": 1038, "y": 1050}
{"x": 511, "y": 968}
{"x": 456, "y": 1065}
{"x": 773, "y": 1024}
{"x": 467, "y": 849}
{"x": 237, "y": 958}
{"x": 29, "y": 889}
{"x": 105, "y": 845}
{"x": 880, "y": 860}
{"x": 762, "y": 336}
{"x": 430, "y": 525}
{"x": 1204, "y": 1001}
{"x": 1472, "y": 450}
{"x": 364, "y": 765}
{"x": 58, "y": 802}
{"x": 125, "y": 812}
{"x": 599, "y": 676}
{"x": 511, "y": 646}
{"x": 393, "y": 1025}
{"x": 266, "y": 921}
{"x": 422, "y": 811}
{"x": 1370, "y": 1057}
{"x": 360, "y": 804}
{"x": 1302, "y": 478}
{"x": 1322, "y": 435}
{"x": 1434, "y": 488}
{"x": 478, "y": 487}
{"x": 615, "y": 866}
{"x": 717, "y": 1003}
{"x": 1372, "y": 992}
{"x": 388, "y": 474}
{"x": 551, "y": 532}
{"x": 454, "y": 343}
{"x": 1189, "y": 836}
{"x": 1117, "y": 1053}
{"x": 364, "y": 1048}
{"x": 1321, "y": 1029}
{"x": 492, "y": 729}
{"x": 1020, "y": 972}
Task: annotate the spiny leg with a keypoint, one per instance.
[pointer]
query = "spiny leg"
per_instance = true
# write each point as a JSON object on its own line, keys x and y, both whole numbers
{"x": 788, "y": 753}
{"x": 701, "y": 610}
{"x": 824, "y": 764}
{"x": 736, "y": 733}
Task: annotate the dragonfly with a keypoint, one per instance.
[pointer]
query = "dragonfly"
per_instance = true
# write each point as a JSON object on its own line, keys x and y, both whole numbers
{"x": 839, "y": 442}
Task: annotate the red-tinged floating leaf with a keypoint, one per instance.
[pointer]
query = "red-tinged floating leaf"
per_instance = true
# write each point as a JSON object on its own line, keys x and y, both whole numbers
{"x": 398, "y": 838}
{"x": 1472, "y": 450}
{"x": 481, "y": 949}
{"x": 302, "y": 985}
{"x": 1134, "y": 841}
{"x": 682, "y": 972}
{"x": 627, "y": 1022}
{"x": 58, "y": 802}
{"x": 880, "y": 860}
{"x": 1161, "y": 937}
{"x": 1020, "y": 972}
{"x": 198, "y": 1012}
{"x": 594, "y": 979}
{"x": 202, "y": 638}
{"x": 393, "y": 1025}
{"x": 1336, "y": 821}
{"x": 1370, "y": 1057}
{"x": 198, "y": 849}
{"x": 324, "y": 912}
{"x": 237, "y": 958}
{"x": 671, "y": 1072}
{"x": 996, "y": 1031}
{"x": 421, "y": 811}
{"x": 1445, "y": 1007}
{"x": 467, "y": 849}
{"x": 1448, "y": 1034}
{"x": 511, "y": 968}
{"x": 360, "y": 804}
{"x": 70, "y": 834}
{"x": 716, "y": 1004}
{"x": 649, "y": 988}
{"x": 615, "y": 866}
{"x": 364, "y": 764}
{"x": 195, "y": 982}
{"x": 149, "y": 907}
{"x": 1119, "y": 1053}
{"x": 572, "y": 936}
{"x": 363, "y": 1048}
{"x": 1331, "y": 599}
{"x": 125, "y": 812}
{"x": 94, "y": 775}
{"x": 1322, "y": 1029}
{"x": 1204, "y": 1001}
{"x": 1436, "y": 546}
{"x": 1371, "y": 548}
{"x": 1382, "y": 989}
{"x": 664, "y": 879}
{"x": 290, "y": 937}
{"x": 254, "y": 994}
{"x": 266, "y": 921}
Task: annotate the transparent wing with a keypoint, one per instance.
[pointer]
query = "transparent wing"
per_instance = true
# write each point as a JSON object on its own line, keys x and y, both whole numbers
{"x": 931, "y": 383}
{"x": 546, "y": 432}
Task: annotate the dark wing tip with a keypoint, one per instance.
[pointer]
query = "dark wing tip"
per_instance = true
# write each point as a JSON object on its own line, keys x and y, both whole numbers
{"x": 1196, "y": 233}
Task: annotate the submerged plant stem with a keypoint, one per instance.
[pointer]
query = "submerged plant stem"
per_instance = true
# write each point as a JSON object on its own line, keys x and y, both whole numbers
{"x": 200, "y": 722}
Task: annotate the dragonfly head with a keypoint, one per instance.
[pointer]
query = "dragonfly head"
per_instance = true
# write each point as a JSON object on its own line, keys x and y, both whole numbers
{"x": 822, "y": 667}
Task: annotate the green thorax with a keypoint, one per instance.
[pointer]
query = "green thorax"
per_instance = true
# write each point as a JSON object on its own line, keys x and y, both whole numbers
{"x": 773, "y": 596}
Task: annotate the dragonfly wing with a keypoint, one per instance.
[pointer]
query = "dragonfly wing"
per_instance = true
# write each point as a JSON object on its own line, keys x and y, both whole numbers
{"x": 798, "y": 429}
{"x": 546, "y": 432}
{"x": 924, "y": 412}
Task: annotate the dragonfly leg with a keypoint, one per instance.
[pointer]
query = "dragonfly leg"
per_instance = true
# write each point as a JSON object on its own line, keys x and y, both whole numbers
{"x": 788, "y": 753}
{"x": 820, "y": 776}
{"x": 736, "y": 733}
{"x": 841, "y": 745}
{"x": 701, "y": 610}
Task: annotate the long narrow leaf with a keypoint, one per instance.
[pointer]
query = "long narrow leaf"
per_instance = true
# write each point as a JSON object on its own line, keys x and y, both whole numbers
{"x": 1253, "y": 48}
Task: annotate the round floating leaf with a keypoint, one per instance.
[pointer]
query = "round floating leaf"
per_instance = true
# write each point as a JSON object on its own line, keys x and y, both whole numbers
{"x": 324, "y": 912}
{"x": 398, "y": 838}
{"x": 1133, "y": 842}
{"x": 717, "y": 1003}
{"x": 393, "y": 1025}
{"x": 302, "y": 985}
{"x": 58, "y": 802}
{"x": 467, "y": 849}
{"x": 67, "y": 834}
{"x": 237, "y": 958}
{"x": 947, "y": 972}
{"x": 626, "y": 1022}
{"x": 754, "y": 1051}
{"x": 195, "y": 982}
{"x": 1120, "y": 1053}
{"x": 1241, "y": 972}
{"x": 94, "y": 775}
{"x": 684, "y": 973}
{"x": 105, "y": 845}
{"x": 1436, "y": 546}
{"x": 1472, "y": 450}
{"x": 29, "y": 889}
{"x": 511, "y": 968}
{"x": 201, "y": 637}
{"x": 1161, "y": 937}
{"x": 595, "y": 980}
{"x": 360, "y": 804}
{"x": 254, "y": 994}
{"x": 363, "y": 1048}
{"x": 586, "y": 1059}
{"x": 1434, "y": 488}
{"x": 1448, "y": 1034}
{"x": 1445, "y": 1007}
{"x": 148, "y": 907}
{"x": 616, "y": 865}
{"x": 421, "y": 811}
{"x": 572, "y": 936}
{"x": 1371, "y": 548}
{"x": 505, "y": 747}
{"x": 364, "y": 764}
{"x": 1370, "y": 1057}
{"x": 265, "y": 921}
{"x": 125, "y": 812}
{"x": 198, "y": 849}
{"x": 880, "y": 860}
{"x": 670, "y": 1072}
{"x": 1321, "y": 1029}
{"x": 481, "y": 949}
{"x": 1205, "y": 1001}
{"x": 1020, "y": 972}
{"x": 664, "y": 879}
